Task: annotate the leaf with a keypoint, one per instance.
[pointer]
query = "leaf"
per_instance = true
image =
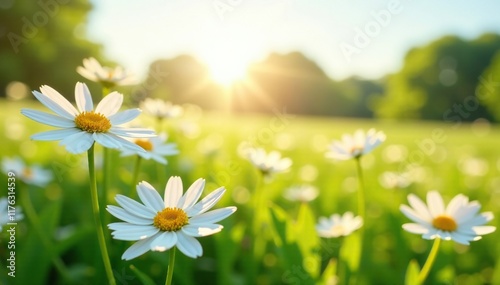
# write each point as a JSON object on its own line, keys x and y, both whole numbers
{"x": 350, "y": 252}
{"x": 145, "y": 279}
{"x": 307, "y": 240}
{"x": 411, "y": 277}
{"x": 329, "y": 276}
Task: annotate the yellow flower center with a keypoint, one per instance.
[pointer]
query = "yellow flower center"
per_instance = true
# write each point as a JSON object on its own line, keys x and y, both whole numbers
{"x": 27, "y": 172}
{"x": 145, "y": 144}
{"x": 92, "y": 122}
{"x": 170, "y": 219}
{"x": 445, "y": 223}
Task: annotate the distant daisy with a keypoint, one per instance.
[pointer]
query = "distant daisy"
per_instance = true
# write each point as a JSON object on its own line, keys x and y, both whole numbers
{"x": 160, "y": 224}
{"x": 107, "y": 76}
{"x": 338, "y": 225}
{"x": 354, "y": 146}
{"x": 82, "y": 127}
{"x": 302, "y": 193}
{"x": 155, "y": 148}
{"x": 459, "y": 221}
{"x": 34, "y": 174}
{"x": 4, "y": 217}
{"x": 161, "y": 109}
{"x": 268, "y": 163}
{"x": 393, "y": 180}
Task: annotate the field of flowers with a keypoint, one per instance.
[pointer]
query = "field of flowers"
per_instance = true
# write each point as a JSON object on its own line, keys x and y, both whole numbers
{"x": 275, "y": 235}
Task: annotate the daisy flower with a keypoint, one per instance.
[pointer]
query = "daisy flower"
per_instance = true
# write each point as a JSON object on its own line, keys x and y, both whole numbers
{"x": 160, "y": 224}
{"x": 82, "y": 127}
{"x": 160, "y": 109}
{"x": 34, "y": 175}
{"x": 268, "y": 163}
{"x": 459, "y": 221}
{"x": 302, "y": 193}
{"x": 4, "y": 217}
{"x": 354, "y": 146}
{"x": 155, "y": 148}
{"x": 338, "y": 225}
{"x": 393, "y": 180}
{"x": 107, "y": 76}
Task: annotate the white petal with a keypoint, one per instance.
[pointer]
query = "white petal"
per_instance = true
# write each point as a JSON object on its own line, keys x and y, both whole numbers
{"x": 467, "y": 213}
{"x": 86, "y": 73}
{"x": 132, "y": 132}
{"x": 212, "y": 216}
{"x": 164, "y": 241}
{"x": 124, "y": 117}
{"x": 149, "y": 196}
{"x": 106, "y": 140}
{"x": 412, "y": 215}
{"x": 78, "y": 143}
{"x": 455, "y": 204}
{"x": 435, "y": 203}
{"x": 201, "y": 230}
{"x": 137, "y": 249}
{"x": 192, "y": 194}
{"x": 460, "y": 238}
{"x": 48, "y": 119}
{"x": 173, "y": 191}
{"x": 124, "y": 143}
{"x": 56, "y": 102}
{"x": 110, "y": 104}
{"x": 484, "y": 230}
{"x": 419, "y": 207}
{"x": 127, "y": 217}
{"x": 55, "y": 135}
{"x": 83, "y": 98}
{"x": 135, "y": 207}
{"x": 189, "y": 245}
{"x": 415, "y": 228}
{"x": 206, "y": 203}
{"x": 122, "y": 225}
{"x": 135, "y": 234}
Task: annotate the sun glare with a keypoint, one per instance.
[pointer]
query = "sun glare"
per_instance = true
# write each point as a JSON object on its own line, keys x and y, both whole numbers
{"x": 226, "y": 68}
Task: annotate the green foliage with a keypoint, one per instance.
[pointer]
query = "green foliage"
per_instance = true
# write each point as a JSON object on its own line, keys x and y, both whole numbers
{"x": 438, "y": 81}
{"x": 64, "y": 205}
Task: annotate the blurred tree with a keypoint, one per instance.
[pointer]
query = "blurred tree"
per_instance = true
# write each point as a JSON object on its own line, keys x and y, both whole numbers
{"x": 42, "y": 42}
{"x": 438, "y": 81}
{"x": 488, "y": 87}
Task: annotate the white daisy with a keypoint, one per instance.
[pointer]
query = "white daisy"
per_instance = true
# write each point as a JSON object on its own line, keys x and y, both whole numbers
{"x": 268, "y": 163}
{"x": 160, "y": 224}
{"x": 161, "y": 109}
{"x": 4, "y": 217}
{"x": 302, "y": 193}
{"x": 354, "y": 146}
{"x": 80, "y": 128}
{"x": 34, "y": 174}
{"x": 459, "y": 221}
{"x": 107, "y": 76}
{"x": 393, "y": 180}
{"x": 155, "y": 148}
{"x": 338, "y": 225}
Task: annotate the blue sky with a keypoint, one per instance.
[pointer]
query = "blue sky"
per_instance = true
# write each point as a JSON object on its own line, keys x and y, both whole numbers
{"x": 135, "y": 33}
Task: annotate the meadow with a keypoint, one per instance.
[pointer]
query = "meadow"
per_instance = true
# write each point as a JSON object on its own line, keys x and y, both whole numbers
{"x": 449, "y": 158}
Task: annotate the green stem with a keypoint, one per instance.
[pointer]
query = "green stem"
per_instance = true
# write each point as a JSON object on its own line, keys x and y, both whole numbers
{"x": 429, "y": 262}
{"x": 361, "y": 190}
{"x": 30, "y": 212}
{"x": 171, "y": 261}
{"x": 97, "y": 218}
{"x": 135, "y": 176}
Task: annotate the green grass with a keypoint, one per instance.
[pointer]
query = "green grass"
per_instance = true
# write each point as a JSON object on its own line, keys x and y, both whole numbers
{"x": 210, "y": 150}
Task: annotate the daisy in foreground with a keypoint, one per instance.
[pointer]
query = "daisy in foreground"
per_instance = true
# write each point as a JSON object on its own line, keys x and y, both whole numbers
{"x": 161, "y": 224}
{"x": 107, "y": 76}
{"x": 337, "y": 225}
{"x": 354, "y": 146}
{"x": 459, "y": 221}
{"x": 83, "y": 126}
